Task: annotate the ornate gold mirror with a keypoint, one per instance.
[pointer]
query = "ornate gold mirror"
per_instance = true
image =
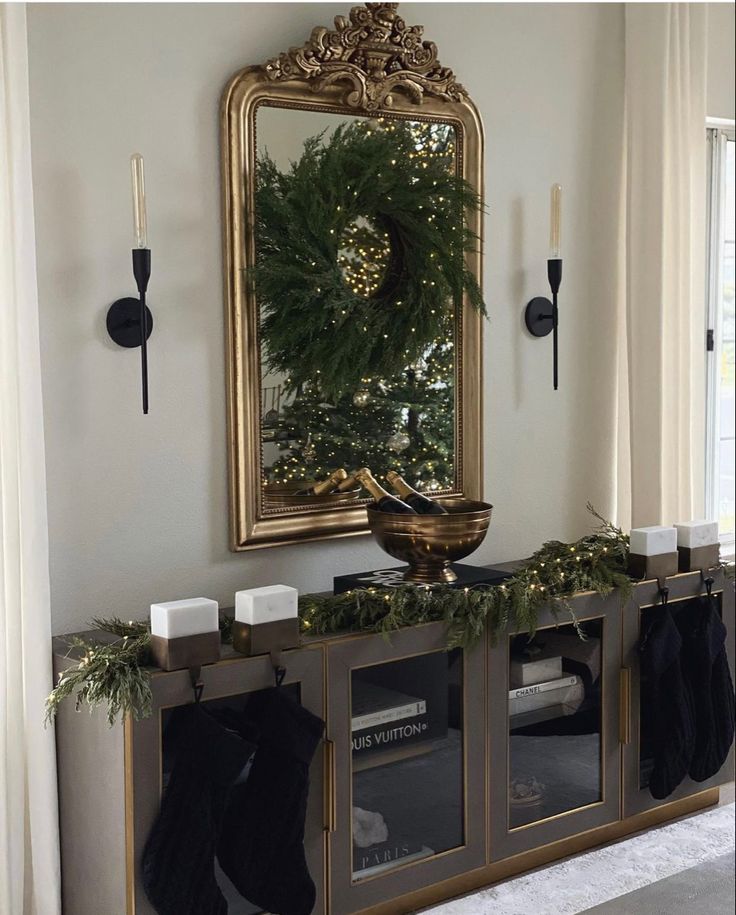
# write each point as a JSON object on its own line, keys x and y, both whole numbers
{"x": 352, "y": 172}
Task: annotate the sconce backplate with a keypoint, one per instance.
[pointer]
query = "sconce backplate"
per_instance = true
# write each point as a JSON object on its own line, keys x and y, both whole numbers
{"x": 538, "y": 316}
{"x": 124, "y": 321}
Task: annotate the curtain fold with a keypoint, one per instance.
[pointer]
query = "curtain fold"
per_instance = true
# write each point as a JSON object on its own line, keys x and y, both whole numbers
{"x": 661, "y": 382}
{"x": 29, "y": 842}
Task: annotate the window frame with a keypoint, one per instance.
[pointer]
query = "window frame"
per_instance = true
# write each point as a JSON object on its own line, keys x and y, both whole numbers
{"x": 719, "y": 132}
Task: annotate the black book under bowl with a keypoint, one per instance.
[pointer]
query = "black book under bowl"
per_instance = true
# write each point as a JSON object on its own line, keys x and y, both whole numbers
{"x": 467, "y": 577}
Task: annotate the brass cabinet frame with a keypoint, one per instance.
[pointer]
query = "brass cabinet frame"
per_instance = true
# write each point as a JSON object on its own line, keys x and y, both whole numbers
{"x": 506, "y": 842}
{"x": 116, "y": 771}
{"x": 231, "y": 678}
{"x": 316, "y": 77}
{"x": 343, "y": 657}
{"x": 683, "y": 587}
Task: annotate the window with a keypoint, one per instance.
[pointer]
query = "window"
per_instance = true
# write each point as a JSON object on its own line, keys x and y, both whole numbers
{"x": 720, "y": 457}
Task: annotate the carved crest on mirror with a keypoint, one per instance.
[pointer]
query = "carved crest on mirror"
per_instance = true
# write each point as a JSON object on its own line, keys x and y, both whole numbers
{"x": 376, "y": 53}
{"x": 372, "y": 82}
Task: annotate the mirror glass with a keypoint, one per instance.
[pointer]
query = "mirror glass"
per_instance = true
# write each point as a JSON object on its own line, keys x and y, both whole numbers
{"x": 316, "y": 415}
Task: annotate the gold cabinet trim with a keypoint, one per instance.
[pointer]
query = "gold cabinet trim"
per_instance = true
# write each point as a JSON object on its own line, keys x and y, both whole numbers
{"x": 330, "y": 788}
{"x": 129, "y": 793}
{"x": 624, "y": 698}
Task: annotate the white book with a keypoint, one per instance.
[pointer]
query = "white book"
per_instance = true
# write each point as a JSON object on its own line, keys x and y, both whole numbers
{"x": 375, "y": 706}
{"x": 526, "y": 673}
{"x": 545, "y": 687}
{"x": 388, "y": 715}
{"x": 424, "y": 852}
{"x": 567, "y": 696}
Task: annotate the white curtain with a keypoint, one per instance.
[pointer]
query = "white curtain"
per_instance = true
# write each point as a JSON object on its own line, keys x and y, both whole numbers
{"x": 29, "y": 842}
{"x": 661, "y": 386}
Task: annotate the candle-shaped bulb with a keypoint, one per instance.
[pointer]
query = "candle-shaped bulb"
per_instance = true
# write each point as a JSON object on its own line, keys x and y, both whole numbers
{"x": 554, "y": 221}
{"x": 140, "y": 228}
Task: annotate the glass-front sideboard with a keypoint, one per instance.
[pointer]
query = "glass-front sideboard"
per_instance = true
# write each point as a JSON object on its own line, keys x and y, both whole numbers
{"x": 441, "y": 771}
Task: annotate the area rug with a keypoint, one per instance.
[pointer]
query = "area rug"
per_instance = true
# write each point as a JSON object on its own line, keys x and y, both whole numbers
{"x": 577, "y": 884}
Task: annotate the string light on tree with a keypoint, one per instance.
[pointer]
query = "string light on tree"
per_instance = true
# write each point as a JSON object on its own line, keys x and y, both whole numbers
{"x": 346, "y": 435}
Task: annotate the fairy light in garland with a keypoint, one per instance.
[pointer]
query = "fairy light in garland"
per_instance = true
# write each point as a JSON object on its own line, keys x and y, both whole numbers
{"x": 116, "y": 675}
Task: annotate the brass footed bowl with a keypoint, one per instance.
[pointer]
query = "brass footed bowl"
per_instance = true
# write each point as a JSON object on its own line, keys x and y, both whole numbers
{"x": 429, "y": 543}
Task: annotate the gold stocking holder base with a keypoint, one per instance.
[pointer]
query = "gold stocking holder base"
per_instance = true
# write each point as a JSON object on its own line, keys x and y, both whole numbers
{"x": 265, "y": 638}
{"x": 699, "y": 558}
{"x": 187, "y": 651}
{"x": 651, "y": 567}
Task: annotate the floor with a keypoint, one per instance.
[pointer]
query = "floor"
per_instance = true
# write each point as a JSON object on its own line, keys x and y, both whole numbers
{"x": 707, "y": 889}
{"x": 654, "y": 867}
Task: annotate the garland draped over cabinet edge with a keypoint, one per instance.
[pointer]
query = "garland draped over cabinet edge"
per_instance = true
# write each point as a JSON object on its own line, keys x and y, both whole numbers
{"x": 117, "y": 674}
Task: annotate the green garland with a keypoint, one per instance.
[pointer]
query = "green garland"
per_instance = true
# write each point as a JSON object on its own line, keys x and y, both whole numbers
{"x": 552, "y": 575}
{"x": 315, "y": 327}
{"x": 110, "y": 674}
{"x": 117, "y": 674}
{"x": 113, "y": 674}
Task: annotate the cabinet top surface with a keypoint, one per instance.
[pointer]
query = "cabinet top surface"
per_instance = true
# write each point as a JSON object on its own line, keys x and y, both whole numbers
{"x": 644, "y": 591}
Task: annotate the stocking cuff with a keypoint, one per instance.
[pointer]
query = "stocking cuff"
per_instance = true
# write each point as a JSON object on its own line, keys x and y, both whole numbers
{"x": 284, "y": 724}
{"x": 223, "y": 750}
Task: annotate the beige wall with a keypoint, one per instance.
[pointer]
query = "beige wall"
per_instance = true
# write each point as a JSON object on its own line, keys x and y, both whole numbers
{"x": 721, "y": 60}
{"x": 138, "y": 505}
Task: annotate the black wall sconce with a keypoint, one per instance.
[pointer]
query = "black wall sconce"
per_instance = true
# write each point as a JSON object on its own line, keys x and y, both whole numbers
{"x": 129, "y": 320}
{"x": 541, "y": 314}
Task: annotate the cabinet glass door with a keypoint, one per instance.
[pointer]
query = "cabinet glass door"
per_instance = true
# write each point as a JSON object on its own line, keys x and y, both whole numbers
{"x": 174, "y": 723}
{"x": 555, "y": 714}
{"x": 408, "y": 751}
{"x": 407, "y": 761}
{"x": 639, "y": 752}
{"x": 153, "y": 745}
{"x": 552, "y": 732}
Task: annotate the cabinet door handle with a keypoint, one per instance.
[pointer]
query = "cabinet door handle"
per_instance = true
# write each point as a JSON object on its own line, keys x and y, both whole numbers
{"x": 624, "y": 695}
{"x": 330, "y": 792}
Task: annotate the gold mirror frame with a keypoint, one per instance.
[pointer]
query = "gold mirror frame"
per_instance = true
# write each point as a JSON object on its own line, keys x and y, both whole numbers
{"x": 372, "y": 64}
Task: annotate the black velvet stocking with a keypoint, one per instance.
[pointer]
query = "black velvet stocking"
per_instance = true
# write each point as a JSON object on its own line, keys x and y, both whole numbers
{"x": 179, "y": 857}
{"x": 261, "y": 846}
{"x": 667, "y": 711}
{"x": 705, "y": 666}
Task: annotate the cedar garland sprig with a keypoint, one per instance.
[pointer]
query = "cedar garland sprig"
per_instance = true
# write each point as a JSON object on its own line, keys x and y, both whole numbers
{"x": 113, "y": 674}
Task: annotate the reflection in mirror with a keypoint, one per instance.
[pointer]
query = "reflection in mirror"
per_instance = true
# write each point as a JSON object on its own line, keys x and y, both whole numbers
{"x": 364, "y": 254}
{"x": 372, "y": 392}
